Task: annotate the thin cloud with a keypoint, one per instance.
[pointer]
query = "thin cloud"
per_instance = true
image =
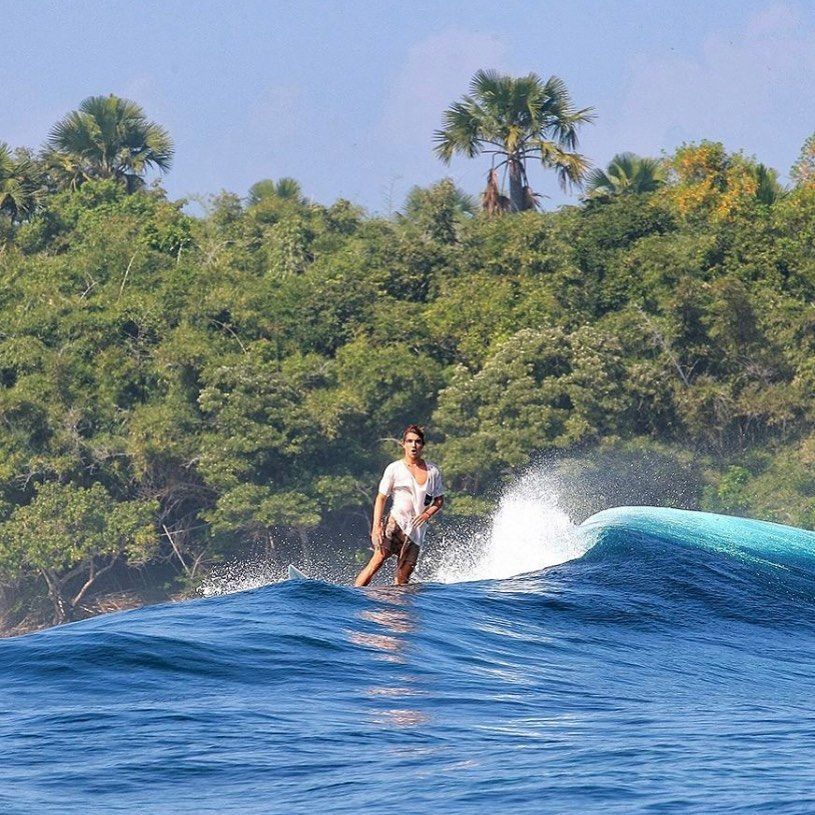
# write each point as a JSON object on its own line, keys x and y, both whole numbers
{"x": 749, "y": 88}
{"x": 438, "y": 70}
{"x": 278, "y": 112}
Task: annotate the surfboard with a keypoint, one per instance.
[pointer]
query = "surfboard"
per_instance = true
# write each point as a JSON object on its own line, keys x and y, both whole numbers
{"x": 296, "y": 574}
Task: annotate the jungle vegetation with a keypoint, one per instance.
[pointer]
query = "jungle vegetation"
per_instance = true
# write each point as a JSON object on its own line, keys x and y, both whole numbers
{"x": 177, "y": 390}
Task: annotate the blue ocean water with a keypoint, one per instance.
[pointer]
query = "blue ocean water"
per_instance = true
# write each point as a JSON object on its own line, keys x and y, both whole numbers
{"x": 669, "y": 668}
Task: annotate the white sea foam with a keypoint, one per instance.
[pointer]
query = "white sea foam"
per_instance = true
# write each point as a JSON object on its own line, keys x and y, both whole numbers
{"x": 528, "y": 532}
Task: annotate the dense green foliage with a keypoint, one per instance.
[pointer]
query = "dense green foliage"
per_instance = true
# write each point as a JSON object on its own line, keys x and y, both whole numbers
{"x": 175, "y": 389}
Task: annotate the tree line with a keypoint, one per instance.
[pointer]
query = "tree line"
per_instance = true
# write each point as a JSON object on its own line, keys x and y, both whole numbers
{"x": 176, "y": 389}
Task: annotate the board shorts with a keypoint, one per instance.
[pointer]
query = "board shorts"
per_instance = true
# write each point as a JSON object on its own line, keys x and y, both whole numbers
{"x": 396, "y": 542}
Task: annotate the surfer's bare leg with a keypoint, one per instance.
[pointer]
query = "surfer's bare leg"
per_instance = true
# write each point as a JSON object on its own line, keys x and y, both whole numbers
{"x": 403, "y": 573}
{"x": 374, "y": 565}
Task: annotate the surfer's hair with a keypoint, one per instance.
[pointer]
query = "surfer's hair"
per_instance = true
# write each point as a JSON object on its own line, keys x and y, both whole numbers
{"x": 413, "y": 428}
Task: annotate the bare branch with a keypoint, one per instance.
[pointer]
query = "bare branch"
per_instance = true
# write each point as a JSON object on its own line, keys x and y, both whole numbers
{"x": 127, "y": 272}
{"x": 666, "y": 347}
{"x": 94, "y": 576}
{"x": 229, "y": 329}
{"x": 176, "y": 550}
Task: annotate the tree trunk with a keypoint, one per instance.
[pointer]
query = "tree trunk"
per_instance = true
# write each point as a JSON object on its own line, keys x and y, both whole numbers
{"x": 57, "y": 600}
{"x": 516, "y": 184}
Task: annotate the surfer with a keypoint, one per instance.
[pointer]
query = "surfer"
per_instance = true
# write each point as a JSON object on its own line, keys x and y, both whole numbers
{"x": 418, "y": 494}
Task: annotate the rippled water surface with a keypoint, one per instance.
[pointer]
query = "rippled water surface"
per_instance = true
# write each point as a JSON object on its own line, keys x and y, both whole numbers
{"x": 668, "y": 667}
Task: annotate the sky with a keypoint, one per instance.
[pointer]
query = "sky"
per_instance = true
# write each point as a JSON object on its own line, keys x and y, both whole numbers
{"x": 345, "y": 96}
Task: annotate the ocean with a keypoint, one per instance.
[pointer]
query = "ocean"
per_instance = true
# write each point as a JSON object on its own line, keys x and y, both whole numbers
{"x": 648, "y": 660}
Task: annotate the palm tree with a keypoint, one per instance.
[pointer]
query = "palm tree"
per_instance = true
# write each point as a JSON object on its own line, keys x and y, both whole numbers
{"x": 109, "y": 137}
{"x": 515, "y": 119}
{"x": 626, "y": 173}
{"x": 18, "y": 185}
{"x": 63, "y": 170}
{"x": 285, "y": 189}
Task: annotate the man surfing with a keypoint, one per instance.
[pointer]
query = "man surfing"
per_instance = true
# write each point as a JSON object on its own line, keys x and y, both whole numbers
{"x": 418, "y": 494}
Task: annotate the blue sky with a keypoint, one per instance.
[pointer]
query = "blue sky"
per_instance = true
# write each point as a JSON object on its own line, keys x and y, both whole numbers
{"x": 344, "y": 96}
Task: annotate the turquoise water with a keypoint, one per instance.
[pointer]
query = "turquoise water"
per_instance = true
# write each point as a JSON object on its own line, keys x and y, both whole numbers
{"x": 670, "y": 668}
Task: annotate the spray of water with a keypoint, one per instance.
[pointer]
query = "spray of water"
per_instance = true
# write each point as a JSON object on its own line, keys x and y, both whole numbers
{"x": 528, "y": 532}
{"x": 257, "y": 570}
{"x": 250, "y": 573}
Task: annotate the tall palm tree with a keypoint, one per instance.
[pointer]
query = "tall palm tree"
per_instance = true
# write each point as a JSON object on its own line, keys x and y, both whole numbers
{"x": 18, "y": 185}
{"x": 109, "y": 137}
{"x": 626, "y": 173}
{"x": 516, "y": 119}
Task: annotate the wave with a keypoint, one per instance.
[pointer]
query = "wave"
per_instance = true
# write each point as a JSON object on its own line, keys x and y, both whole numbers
{"x": 676, "y": 638}
{"x": 677, "y": 566}
{"x": 632, "y": 563}
{"x": 749, "y": 540}
{"x": 638, "y": 562}
{"x": 640, "y": 567}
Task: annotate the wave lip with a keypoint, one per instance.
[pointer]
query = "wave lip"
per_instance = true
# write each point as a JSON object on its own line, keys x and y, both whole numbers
{"x": 743, "y": 538}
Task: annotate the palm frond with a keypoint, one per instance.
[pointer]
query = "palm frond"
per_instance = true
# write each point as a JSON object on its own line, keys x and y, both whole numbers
{"x": 463, "y": 130}
{"x": 598, "y": 183}
{"x": 19, "y": 183}
{"x": 571, "y": 167}
{"x": 289, "y": 188}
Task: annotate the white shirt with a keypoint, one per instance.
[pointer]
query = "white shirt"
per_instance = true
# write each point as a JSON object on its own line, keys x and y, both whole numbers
{"x": 409, "y": 497}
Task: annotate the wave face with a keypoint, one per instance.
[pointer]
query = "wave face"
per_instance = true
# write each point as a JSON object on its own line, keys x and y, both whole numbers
{"x": 665, "y": 663}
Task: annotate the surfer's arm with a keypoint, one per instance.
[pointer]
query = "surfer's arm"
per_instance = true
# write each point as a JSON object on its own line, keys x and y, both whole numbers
{"x": 438, "y": 503}
{"x": 376, "y": 526}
